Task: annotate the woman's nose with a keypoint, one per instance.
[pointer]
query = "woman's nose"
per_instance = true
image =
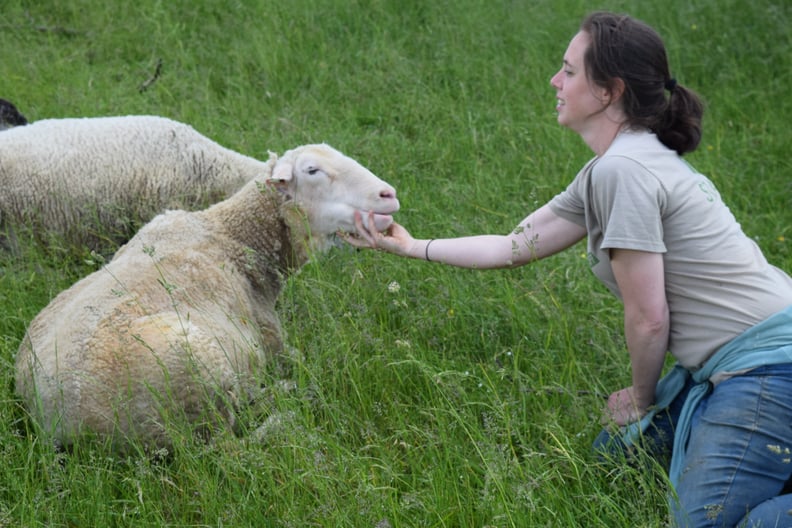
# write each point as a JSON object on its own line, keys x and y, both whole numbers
{"x": 554, "y": 81}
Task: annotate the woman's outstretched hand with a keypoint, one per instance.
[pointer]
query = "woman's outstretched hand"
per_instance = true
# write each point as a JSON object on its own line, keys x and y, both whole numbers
{"x": 395, "y": 239}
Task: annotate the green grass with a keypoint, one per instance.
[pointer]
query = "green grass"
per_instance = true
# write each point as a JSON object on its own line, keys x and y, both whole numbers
{"x": 460, "y": 398}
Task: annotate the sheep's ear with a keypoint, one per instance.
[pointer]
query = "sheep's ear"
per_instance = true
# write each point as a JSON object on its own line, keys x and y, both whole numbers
{"x": 279, "y": 185}
{"x": 282, "y": 172}
{"x": 281, "y": 176}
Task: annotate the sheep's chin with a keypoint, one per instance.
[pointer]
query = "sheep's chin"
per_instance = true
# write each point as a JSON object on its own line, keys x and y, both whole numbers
{"x": 382, "y": 222}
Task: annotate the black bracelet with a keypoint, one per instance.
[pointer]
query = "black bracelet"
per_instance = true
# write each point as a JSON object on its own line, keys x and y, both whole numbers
{"x": 426, "y": 251}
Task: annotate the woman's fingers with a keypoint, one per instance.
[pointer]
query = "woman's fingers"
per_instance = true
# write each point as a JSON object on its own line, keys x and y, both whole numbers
{"x": 364, "y": 238}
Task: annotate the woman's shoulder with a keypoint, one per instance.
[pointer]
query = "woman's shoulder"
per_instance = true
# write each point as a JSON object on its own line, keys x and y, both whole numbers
{"x": 637, "y": 144}
{"x": 636, "y": 153}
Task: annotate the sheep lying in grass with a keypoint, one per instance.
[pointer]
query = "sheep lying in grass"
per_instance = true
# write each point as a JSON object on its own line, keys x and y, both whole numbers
{"x": 176, "y": 324}
{"x": 93, "y": 181}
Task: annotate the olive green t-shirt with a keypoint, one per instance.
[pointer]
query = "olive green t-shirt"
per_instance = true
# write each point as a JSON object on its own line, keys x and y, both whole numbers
{"x": 640, "y": 195}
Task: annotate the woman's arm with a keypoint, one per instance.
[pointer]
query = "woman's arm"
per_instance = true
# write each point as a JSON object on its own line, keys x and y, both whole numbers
{"x": 539, "y": 235}
{"x": 641, "y": 279}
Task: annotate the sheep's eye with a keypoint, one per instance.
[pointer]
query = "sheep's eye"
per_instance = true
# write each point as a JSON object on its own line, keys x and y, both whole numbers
{"x": 312, "y": 170}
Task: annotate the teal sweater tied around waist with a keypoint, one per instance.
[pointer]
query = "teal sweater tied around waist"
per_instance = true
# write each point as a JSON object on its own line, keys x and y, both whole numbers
{"x": 766, "y": 343}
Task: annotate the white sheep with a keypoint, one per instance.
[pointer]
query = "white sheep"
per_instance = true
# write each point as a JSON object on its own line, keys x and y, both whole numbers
{"x": 92, "y": 181}
{"x": 176, "y": 324}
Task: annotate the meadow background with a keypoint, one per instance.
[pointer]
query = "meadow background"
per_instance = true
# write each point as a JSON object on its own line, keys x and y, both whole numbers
{"x": 422, "y": 395}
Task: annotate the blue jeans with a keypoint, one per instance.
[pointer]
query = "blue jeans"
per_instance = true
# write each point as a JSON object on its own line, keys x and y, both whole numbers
{"x": 739, "y": 455}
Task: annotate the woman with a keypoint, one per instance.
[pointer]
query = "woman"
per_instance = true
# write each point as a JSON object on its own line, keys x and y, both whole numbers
{"x": 692, "y": 283}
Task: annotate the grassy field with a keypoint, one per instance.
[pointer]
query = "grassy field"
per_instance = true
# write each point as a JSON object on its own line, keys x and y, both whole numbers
{"x": 422, "y": 395}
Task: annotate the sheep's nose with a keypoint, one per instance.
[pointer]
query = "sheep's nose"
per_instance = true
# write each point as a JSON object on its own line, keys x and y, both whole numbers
{"x": 388, "y": 194}
{"x": 388, "y": 201}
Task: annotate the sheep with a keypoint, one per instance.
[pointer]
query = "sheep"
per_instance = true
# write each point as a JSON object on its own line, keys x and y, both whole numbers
{"x": 181, "y": 318}
{"x": 10, "y": 116}
{"x": 90, "y": 182}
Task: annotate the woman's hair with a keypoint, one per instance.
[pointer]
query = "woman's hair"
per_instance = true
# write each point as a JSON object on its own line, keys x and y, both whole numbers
{"x": 625, "y": 48}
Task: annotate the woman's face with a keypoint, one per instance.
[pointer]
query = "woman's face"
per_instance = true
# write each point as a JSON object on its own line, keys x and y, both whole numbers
{"x": 578, "y": 102}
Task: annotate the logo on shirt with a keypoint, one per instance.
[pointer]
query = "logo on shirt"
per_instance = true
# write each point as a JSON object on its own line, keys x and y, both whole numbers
{"x": 709, "y": 190}
{"x": 592, "y": 259}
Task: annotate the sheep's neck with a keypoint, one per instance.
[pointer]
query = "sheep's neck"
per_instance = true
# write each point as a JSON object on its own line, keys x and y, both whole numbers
{"x": 265, "y": 247}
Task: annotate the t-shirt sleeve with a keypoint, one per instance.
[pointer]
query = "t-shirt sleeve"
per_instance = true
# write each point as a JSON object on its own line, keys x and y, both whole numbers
{"x": 569, "y": 204}
{"x": 628, "y": 201}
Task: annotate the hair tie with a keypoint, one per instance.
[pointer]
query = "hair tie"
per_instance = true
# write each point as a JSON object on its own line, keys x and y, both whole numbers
{"x": 670, "y": 84}
{"x": 426, "y": 251}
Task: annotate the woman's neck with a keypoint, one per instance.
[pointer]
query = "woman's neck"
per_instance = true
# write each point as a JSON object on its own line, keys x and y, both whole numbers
{"x": 602, "y": 128}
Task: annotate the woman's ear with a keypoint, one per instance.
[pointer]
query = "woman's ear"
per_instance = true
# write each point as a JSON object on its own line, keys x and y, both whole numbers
{"x": 616, "y": 90}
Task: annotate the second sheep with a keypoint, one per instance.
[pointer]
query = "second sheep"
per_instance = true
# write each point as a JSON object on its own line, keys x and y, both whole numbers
{"x": 93, "y": 181}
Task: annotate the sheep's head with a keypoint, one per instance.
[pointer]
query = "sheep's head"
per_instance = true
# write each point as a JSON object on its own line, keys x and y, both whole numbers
{"x": 329, "y": 187}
